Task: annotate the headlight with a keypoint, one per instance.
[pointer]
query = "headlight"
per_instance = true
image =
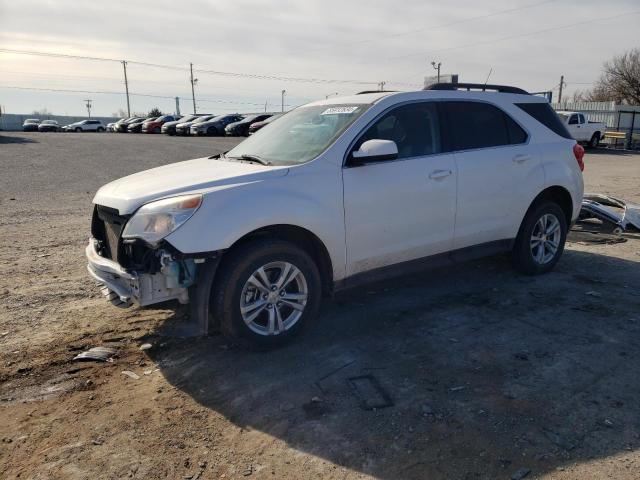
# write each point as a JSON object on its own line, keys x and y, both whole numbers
{"x": 155, "y": 220}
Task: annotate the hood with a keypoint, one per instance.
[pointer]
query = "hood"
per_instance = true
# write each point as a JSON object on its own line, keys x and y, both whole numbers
{"x": 184, "y": 124}
{"x": 203, "y": 174}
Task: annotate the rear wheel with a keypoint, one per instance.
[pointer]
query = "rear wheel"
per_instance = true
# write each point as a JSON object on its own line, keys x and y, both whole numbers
{"x": 267, "y": 292}
{"x": 541, "y": 239}
{"x": 595, "y": 140}
{"x": 100, "y": 129}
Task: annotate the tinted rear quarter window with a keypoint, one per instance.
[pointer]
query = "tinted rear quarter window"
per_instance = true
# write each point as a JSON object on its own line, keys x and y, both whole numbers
{"x": 481, "y": 125}
{"x": 544, "y": 114}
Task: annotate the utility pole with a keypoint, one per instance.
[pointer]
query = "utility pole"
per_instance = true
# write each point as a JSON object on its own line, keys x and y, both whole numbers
{"x": 265, "y": 106}
{"x": 283, "y": 92}
{"x": 88, "y": 104}
{"x": 193, "y": 91}
{"x": 126, "y": 86}
{"x": 178, "y": 106}
{"x": 334, "y": 93}
{"x": 560, "y": 89}
{"x": 381, "y": 86}
{"x": 436, "y": 66}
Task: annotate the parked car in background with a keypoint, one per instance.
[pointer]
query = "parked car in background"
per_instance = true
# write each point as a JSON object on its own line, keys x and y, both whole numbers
{"x": 85, "y": 126}
{"x": 111, "y": 127}
{"x": 254, "y": 127}
{"x": 582, "y": 129}
{"x": 121, "y": 126}
{"x": 241, "y": 128}
{"x": 136, "y": 127}
{"x": 185, "y": 128}
{"x": 30, "y": 125}
{"x": 49, "y": 126}
{"x": 358, "y": 188}
{"x": 215, "y": 126}
{"x": 155, "y": 125}
{"x": 169, "y": 128}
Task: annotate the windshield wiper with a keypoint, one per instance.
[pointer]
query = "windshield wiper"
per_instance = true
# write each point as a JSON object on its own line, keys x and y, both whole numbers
{"x": 253, "y": 159}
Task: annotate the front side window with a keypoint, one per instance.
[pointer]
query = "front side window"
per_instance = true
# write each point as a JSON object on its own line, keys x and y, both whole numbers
{"x": 480, "y": 125}
{"x": 414, "y": 128}
{"x": 300, "y": 135}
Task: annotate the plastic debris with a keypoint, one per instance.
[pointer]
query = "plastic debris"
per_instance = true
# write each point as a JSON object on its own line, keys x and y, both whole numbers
{"x": 130, "y": 374}
{"x": 99, "y": 354}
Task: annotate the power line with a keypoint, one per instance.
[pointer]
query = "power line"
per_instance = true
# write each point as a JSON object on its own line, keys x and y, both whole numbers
{"x": 434, "y": 27}
{"x": 520, "y": 35}
{"x": 103, "y": 92}
{"x": 210, "y": 72}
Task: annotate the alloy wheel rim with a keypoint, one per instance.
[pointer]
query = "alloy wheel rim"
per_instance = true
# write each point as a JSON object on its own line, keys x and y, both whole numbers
{"x": 274, "y": 298}
{"x": 545, "y": 239}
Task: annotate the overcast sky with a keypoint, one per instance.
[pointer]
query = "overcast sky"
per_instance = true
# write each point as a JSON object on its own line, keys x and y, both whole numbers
{"x": 527, "y": 43}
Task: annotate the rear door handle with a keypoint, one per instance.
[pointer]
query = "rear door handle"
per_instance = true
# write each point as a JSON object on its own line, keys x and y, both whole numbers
{"x": 438, "y": 174}
{"x": 521, "y": 158}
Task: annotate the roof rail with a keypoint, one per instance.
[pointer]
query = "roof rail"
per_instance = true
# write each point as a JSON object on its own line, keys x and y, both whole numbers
{"x": 475, "y": 86}
{"x": 375, "y": 91}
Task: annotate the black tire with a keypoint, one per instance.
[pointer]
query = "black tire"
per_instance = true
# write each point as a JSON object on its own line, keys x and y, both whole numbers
{"x": 522, "y": 254}
{"x": 78, "y": 130}
{"x": 213, "y": 132}
{"x": 233, "y": 274}
{"x": 100, "y": 129}
{"x": 156, "y": 130}
{"x": 595, "y": 140}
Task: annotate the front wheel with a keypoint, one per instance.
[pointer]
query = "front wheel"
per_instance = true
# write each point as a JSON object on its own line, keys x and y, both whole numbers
{"x": 212, "y": 132}
{"x": 78, "y": 130}
{"x": 267, "y": 292}
{"x": 595, "y": 140}
{"x": 541, "y": 239}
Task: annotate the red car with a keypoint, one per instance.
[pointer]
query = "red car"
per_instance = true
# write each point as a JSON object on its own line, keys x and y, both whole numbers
{"x": 155, "y": 125}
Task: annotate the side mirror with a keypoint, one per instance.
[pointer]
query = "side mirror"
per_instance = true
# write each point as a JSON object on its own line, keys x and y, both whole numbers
{"x": 374, "y": 151}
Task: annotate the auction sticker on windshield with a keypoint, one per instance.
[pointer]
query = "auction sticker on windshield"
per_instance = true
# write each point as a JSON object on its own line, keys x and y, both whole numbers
{"x": 338, "y": 110}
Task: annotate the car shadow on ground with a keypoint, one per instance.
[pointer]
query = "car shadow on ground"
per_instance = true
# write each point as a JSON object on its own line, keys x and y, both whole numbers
{"x": 612, "y": 151}
{"x": 4, "y": 138}
{"x": 469, "y": 372}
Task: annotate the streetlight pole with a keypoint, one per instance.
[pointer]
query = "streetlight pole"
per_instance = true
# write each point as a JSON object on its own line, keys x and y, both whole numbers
{"x": 283, "y": 92}
{"x": 436, "y": 66}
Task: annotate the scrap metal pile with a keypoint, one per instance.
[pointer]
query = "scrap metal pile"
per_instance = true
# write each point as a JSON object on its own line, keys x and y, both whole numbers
{"x": 609, "y": 214}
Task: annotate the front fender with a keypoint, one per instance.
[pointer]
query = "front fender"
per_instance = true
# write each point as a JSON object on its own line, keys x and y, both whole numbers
{"x": 227, "y": 215}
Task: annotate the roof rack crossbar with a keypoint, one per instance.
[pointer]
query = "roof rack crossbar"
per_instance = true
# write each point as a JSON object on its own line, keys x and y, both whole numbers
{"x": 476, "y": 86}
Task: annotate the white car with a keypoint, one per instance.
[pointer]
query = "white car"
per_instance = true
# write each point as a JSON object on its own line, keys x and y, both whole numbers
{"x": 583, "y": 130}
{"x": 336, "y": 193}
{"x": 85, "y": 126}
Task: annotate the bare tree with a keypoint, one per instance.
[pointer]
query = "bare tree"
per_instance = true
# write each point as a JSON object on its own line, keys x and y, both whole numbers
{"x": 119, "y": 113}
{"x": 43, "y": 112}
{"x": 619, "y": 81}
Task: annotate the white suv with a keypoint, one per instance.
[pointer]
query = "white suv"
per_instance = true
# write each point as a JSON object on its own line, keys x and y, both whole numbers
{"x": 339, "y": 192}
{"x": 85, "y": 126}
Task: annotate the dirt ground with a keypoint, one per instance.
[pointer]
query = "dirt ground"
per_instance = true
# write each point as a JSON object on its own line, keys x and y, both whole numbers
{"x": 473, "y": 372}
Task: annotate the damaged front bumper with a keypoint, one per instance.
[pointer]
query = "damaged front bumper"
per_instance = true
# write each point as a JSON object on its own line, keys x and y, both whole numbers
{"x": 171, "y": 282}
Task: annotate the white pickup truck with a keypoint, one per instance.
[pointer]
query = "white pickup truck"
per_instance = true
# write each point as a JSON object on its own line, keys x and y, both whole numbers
{"x": 581, "y": 129}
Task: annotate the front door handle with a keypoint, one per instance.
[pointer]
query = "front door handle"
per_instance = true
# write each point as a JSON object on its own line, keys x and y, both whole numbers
{"x": 521, "y": 158}
{"x": 438, "y": 174}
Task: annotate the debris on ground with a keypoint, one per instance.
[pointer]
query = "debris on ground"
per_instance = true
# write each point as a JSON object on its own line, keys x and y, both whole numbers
{"x": 100, "y": 354}
{"x": 131, "y": 374}
{"x": 145, "y": 346}
{"x": 614, "y": 215}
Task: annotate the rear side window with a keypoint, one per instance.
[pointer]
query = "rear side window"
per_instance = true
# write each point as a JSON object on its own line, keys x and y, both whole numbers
{"x": 544, "y": 114}
{"x": 481, "y": 125}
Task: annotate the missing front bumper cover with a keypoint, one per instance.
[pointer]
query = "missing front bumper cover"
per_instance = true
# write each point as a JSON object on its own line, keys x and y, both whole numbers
{"x": 123, "y": 288}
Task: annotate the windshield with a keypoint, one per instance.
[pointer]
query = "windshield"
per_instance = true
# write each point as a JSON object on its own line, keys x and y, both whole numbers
{"x": 203, "y": 119}
{"x": 187, "y": 118}
{"x": 300, "y": 135}
{"x": 563, "y": 116}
